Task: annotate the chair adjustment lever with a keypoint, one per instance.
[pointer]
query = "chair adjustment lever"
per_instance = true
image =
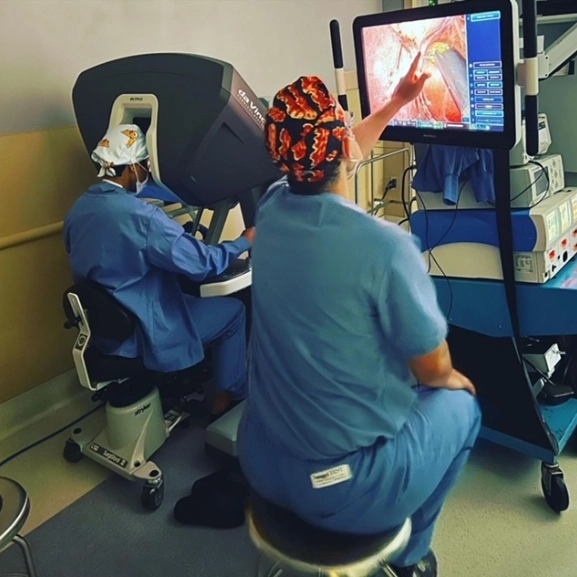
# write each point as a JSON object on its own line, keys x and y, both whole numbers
{"x": 72, "y": 324}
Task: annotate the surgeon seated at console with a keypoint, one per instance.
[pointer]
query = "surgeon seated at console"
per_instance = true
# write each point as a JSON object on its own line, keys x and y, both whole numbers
{"x": 137, "y": 253}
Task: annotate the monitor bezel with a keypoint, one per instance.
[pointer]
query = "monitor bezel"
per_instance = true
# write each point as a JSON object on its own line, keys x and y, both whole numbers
{"x": 504, "y": 140}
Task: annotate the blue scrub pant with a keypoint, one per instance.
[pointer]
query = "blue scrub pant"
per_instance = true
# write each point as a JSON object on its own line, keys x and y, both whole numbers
{"x": 221, "y": 324}
{"x": 408, "y": 476}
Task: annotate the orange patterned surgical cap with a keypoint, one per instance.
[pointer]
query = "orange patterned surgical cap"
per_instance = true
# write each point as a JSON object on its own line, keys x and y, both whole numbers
{"x": 305, "y": 129}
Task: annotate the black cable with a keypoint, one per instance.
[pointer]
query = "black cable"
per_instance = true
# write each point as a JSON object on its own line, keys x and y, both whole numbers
{"x": 52, "y": 435}
{"x": 451, "y": 224}
{"x": 451, "y": 296}
{"x": 546, "y": 173}
{"x": 571, "y": 358}
{"x": 541, "y": 374}
{"x": 454, "y": 216}
{"x": 418, "y": 194}
{"x": 403, "y": 191}
{"x": 388, "y": 188}
{"x": 430, "y": 250}
{"x": 541, "y": 174}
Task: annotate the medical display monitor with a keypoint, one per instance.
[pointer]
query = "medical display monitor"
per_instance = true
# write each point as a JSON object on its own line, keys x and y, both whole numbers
{"x": 469, "y": 49}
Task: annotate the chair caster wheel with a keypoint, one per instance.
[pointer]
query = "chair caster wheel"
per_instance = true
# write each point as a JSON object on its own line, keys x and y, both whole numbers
{"x": 554, "y": 488}
{"x": 72, "y": 451}
{"x": 152, "y": 496}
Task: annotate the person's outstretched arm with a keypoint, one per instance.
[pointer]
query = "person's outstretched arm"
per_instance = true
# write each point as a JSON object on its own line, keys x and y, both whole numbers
{"x": 171, "y": 248}
{"x": 368, "y": 131}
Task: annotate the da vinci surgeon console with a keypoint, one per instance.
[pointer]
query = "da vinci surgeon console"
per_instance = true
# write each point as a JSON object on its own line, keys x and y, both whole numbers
{"x": 204, "y": 132}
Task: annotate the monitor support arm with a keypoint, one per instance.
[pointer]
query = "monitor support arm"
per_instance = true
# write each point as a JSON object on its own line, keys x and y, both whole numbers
{"x": 531, "y": 76}
{"x": 559, "y": 54}
{"x": 535, "y": 68}
{"x": 338, "y": 63}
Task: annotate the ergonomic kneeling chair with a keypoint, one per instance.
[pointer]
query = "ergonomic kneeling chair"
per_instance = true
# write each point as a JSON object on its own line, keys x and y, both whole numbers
{"x": 136, "y": 424}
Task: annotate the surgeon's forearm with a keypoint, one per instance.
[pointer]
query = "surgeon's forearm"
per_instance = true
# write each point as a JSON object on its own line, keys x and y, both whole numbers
{"x": 218, "y": 258}
{"x": 368, "y": 132}
{"x": 433, "y": 369}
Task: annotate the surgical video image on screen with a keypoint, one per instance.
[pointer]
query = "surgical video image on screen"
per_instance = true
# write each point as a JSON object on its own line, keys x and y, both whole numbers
{"x": 442, "y": 42}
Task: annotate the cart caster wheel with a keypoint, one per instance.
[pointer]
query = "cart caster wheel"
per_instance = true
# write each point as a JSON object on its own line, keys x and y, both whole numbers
{"x": 72, "y": 451}
{"x": 554, "y": 488}
{"x": 152, "y": 496}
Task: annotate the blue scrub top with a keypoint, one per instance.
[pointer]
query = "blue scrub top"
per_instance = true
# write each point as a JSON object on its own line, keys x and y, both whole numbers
{"x": 341, "y": 302}
{"x": 137, "y": 252}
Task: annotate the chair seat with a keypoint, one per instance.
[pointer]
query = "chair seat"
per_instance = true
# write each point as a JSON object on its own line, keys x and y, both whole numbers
{"x": 103, "y": 367}
{"x": 299, "y": 541}
{"x": 14, "y": 510}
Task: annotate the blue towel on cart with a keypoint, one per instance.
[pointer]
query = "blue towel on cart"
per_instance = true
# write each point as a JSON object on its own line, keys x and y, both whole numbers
{"x": 444, "y": 169}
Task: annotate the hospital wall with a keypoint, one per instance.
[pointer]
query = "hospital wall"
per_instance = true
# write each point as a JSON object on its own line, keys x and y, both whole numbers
{"x": 42, "y": 172}
{"x": 43, "y": 47}
{"x": 373, "y": 179}
{"x": 557, "y": 99}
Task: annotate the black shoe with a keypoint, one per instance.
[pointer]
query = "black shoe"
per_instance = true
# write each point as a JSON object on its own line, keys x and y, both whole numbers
{"x": 217, "y": 501}
{"x": 215, "y": 510}
{"x": 426, "y": 567}
{"x": 229, "y": 479}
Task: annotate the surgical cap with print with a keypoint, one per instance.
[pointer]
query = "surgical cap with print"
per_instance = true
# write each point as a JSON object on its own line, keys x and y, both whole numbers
{"x": 121, "y": 145}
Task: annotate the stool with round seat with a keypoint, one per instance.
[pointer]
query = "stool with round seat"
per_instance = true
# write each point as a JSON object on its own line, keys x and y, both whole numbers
{"x": 298, "y": 549}
{"x": 14, "y": 511}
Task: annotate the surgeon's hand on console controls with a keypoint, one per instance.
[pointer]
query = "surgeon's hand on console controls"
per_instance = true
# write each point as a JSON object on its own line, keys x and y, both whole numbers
{"x": 411, "y": 85}
{"x": 457, "y": 381}
{"x": 249, "y": 234}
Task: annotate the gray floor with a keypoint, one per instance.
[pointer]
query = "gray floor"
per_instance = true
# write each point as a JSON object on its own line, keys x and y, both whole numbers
{"x": 107, "y": 534}
{"x": 495, "y": 524}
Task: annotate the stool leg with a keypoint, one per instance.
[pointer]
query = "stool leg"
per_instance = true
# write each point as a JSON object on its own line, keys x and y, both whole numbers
{"x": 387, "y": 571}
{"x": 274, "y": 571}
{"x": 25, "y": 548}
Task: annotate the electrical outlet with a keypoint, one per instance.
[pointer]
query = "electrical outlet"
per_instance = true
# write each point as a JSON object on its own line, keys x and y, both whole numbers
{"x": 391, "y": 185}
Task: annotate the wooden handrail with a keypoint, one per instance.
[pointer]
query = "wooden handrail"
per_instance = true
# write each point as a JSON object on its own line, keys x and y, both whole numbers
{"x": 30, "y": 235}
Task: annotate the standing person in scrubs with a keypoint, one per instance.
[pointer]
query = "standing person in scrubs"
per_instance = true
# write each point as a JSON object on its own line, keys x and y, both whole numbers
{"x": 137, "y": 253}
{"x": 349, "y": 369}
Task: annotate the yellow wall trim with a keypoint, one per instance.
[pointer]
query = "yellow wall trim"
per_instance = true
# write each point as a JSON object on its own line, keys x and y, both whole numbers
{"x": 31, "y": 235}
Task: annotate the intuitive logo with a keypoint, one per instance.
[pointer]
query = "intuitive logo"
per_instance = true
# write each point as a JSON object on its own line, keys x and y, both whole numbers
{"x": 250, "y": 105}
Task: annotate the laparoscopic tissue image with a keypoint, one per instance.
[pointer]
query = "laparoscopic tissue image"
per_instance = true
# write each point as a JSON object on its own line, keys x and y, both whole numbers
{"x": 442, "y": 42}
